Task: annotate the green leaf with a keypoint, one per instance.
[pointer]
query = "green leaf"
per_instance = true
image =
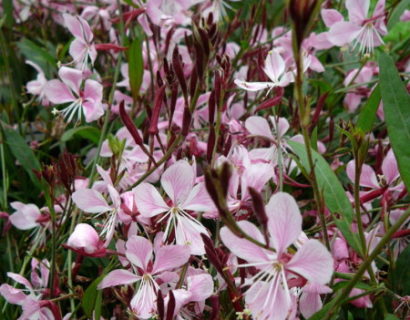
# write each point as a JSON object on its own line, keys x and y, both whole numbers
{"x": 21, "y": 151}
{"x": 135, "y": 66}
{"x": 334, "y": 195}
{"x": 396, "y": 102}
{"x": 367, "y": 115}
{"x": 8, "y": 12}
{"x": 399, "y": 32}
{"x": 86, "y": 132}
{"x": 90, "y": 298}
{"x": 397, "y": 12}
{"x": 37, "y": 54}
{"x": 400, "y": 276}
{"x": 390, "y": 317}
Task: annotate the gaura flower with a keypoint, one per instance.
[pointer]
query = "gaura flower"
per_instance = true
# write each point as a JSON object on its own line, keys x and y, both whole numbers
{"x": 275, "y": 69}
{"x": 178, "y": 182}
{"x": 144, "y": 270}
{"x": 269, "y": 296}
{"x": 87, "y": 101}
{"x": 361, "y": 30}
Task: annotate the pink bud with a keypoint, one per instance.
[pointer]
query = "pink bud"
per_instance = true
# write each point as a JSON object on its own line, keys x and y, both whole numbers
{"x": 85, "y": 240}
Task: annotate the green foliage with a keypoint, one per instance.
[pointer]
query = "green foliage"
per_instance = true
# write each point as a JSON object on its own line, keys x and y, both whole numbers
{"x": 396, "y": 103}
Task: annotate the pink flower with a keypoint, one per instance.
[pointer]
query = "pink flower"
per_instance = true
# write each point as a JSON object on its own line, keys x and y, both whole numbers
{"x": 26, "y": 216}
{"x": 268, "y": 296}
{"x": 92, "y": 201}
{"x": 368, "y": 178}
{"x": 178, "y": 182}
{"x": 81, "y": 49}
{"x": 139, "y": 251}
{"x": 362, "y": 31}
{"x": 87, "y": 101}
{"x": 85, "y": 240}
{"x": 30, "y": 298}
{"x": 36, "y": 87}
{"x": 274, "y": 69}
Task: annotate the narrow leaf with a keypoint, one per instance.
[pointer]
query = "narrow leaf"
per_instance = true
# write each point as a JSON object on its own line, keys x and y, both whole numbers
{"x": 21, "y": 151}
{"x": 334, "y": 195}
{"x": 367, "y": 115}
{"x": 135, "y": 66}
{"x": 396, "y": 102}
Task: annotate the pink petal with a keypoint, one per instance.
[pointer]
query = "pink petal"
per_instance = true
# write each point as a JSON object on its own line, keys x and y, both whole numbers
{"x": 93, "y": 90}
{"x": 269, "y": 300}
{"x": 201, "y": 286}
{"x": 284, "y": 220}
{"x": 25, "y": 217}
{"x": 148, "y": 200}
{"x": 331, "y": 16}
{"x": 281, "y": 125}
{"x": 255, "y": 176}
{"x": 57, "y": 92}
{"x": 84, "y": 237}
{"x": 78, "y": 27}
{"x": 259, "y": 126}
{"x": 188, "y": 232}
{"x": 139, "y": 251}
{"x": 243, "y": 248}
{"x": 143, "y": 303}
{"x": 357, "y": 9}
{"x": 118, "y": 277}
{"x": 312, "y": 262}
{"x": 12, "y": 295}
{"x": 343, "y": 32}
{"x": 177, "y": 181}
{"x": 274, "y": 65}
{"x": 90, "y": 201}
{"x": 198, "y": 199}
{"x": 20, "y": 279}
{"x": 72, "y": 78}
{"x": 389, "y": 167}
{"x": 253, "y": 86}
{"x": 368, "y": 177}
{"x": 170, "y": 257}
{"x": 92, "y": 106}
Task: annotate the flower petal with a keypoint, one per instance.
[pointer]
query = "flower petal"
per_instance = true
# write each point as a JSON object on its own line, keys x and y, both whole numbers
{"x": 72, "y": 78}
{"x": 177, "y": 181}
{"x": 12, "y": 295}
{"x": 343, "y": 32}
{"x": 274, "y": 65}
{"x": 389, "y": 167}
{"x": 253, "y": 86}
{"x": 118, "y": 277}
{"x": 368, "y": 177}
{"x": 284, "y": 220}
{"x": 331, "y": 16}
{"x": 259, "y": 126}
{"x": 90, "y": 201}
{"x": 148, "y": 200}
{"x": 170, "y": 257}
{"x": 243, "y": 248}
{"x": 357, "y": 9}
{"x": 139, "y": 251}
{"x": 57, "y": 92}
{"x": 313, "y": 262}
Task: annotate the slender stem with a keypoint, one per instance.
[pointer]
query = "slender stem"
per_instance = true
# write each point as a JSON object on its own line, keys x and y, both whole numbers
{"x": 304, "y": 118}
{"x": 106, "y": 121}
{"x": 357, "y": 206}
